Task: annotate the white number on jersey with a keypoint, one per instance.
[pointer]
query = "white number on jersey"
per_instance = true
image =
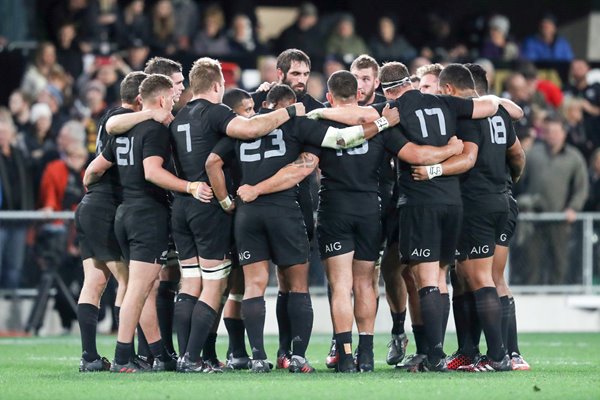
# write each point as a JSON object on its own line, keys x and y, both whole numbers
{"x": 497, "y": 129}
{"x": 124, "y": 151}
{"x": 188, "y": 138}
{"x": 431, "y": 111}
{"x": 275, "y": 139}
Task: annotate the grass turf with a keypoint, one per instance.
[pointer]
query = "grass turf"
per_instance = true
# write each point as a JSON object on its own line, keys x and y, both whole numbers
{"x": 564, "y": 366}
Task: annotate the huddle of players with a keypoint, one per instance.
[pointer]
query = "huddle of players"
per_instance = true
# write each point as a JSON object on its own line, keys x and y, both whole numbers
{"x": 268, "y": 223}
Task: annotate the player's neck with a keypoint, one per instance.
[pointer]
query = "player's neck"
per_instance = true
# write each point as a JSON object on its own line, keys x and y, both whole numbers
{"x": 206, "y": 96}
{"x": 466, "y": 93}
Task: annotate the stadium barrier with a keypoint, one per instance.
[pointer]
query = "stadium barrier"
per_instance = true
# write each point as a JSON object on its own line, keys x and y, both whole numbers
{"x": 568, "y": 302}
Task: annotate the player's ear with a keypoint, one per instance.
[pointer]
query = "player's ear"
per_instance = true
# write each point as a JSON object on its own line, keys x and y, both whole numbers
{"x": 280, "y": 75}
{"x": 265, "y": 104}
{"x": 329, "y": 98}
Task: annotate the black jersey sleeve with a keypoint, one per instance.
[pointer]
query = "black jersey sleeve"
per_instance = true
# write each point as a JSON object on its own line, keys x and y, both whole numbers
{"x": 511, "y": 134}
{"x": 156, "y": 142}
{"x": 220, "y": 116}
{"x": 462, "y": 108}
{"x": 469, "y": 130}
{"x": 108, "y": 151}
{"x": 225, "y": 149}
{"x": 393, "y": 140}
{"x": 309, "y": 131}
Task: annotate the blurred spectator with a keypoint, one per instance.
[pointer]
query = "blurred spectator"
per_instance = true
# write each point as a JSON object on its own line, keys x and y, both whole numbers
{"x": 572, "y": 112}
{"x": 107, "y": 20}
{"x": 416, "y": 63}
{"x": 68, "y": 53}
{"x": 85, "y": 15}
{"x": 54, "y": 98}
{"x": 133, "y": 23}
{"x": 162, "y": 36}
{"x": 543, "y": 92}
{"x": 304, "y": 34}
{"x": 520, "y": 92}
{"x": 593, "y": 200}
{"x": 186, "y": 22}
{"x": 20, "y": 109}
{"x": 547, "y": 45}
{"x": 92, "y": 105}
{"x": 267, "y": 67}
{"x": 388, "y": 45}
{"x": 332, "y": 64}
{"x": 17, "y": 194}
{"x": 36, "y": 75}
{"x": 316, "y": 86}
{"x": 498, "y": 45}
{"x": 555, "y": 180}
{"x": 136, "y": 54}
{"x": 241, "y": 37}
{"x": 589, "y": 93}
{"x": 39, "y": 141}
{"x": 442, "y": 44}
{"x": 211, "y": 40}
{"x": 61, "y": 190}
{"x": 14, "y": 22}
{"x": 344, "y": 42}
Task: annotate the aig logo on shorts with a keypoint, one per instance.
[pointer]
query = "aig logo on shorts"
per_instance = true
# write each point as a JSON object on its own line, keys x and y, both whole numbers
{"x": 333, "y": 247}
{"x": 480, "y": 249}
{"x": 503, "y": 237}
{"x": 244, "y": 255}
{"x": 421, "y": 252}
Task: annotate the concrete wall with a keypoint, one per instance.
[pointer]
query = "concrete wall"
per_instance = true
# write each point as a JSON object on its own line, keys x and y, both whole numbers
{"x": 535, "y": 313}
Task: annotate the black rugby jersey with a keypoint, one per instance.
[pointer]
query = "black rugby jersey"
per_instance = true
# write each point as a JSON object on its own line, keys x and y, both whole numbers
{"x": 107, "y": 189}
{"x": 487, "y": 179}
{"x": 261, "y": 158}
{"x": 352, "y": 175}
{"x": 128, "y": 151}
{"x": 427, "y": 119}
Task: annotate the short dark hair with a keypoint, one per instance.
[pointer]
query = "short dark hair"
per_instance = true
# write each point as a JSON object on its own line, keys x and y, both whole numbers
{"x": 479, "y": 77}
{"x": 365, "y": 61}
{"x": 130, "y": 86}
{"x": 342, "y": 85}
{"x": 393, "y": 71}
{"x": 234, "y": 97}
{"x": 279, "y": 93}
{"x": 153, "y": 85}
{"x": 164, "y": 66}
{"x": 458, "y": 76}
{"x": 284, "y": 60}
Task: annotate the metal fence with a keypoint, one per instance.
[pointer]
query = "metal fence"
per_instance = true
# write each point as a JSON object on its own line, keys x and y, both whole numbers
{"x": 547, "y": 254}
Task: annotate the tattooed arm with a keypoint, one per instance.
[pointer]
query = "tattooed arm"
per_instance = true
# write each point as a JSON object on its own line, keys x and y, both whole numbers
{"x": 287, "y": 177}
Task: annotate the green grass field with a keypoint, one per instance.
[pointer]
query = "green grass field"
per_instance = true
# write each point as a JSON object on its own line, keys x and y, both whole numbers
{"x": 565, "y": 366}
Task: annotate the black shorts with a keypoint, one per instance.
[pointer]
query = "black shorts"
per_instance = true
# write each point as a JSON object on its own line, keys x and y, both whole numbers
{"x": 429, "y": 232}
{"x": 143, "y": 231}
{"x": 95, "y": 224}
{"x": 269, "y": 232}
{"x": 342, "y": 233}
{"x": 200, "y": 229}
{"x": 511, "y": 223}
{"x": 478, "y": 235}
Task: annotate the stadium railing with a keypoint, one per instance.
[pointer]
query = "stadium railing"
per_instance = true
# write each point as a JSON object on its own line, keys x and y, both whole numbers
{"x": 582, "y": 246}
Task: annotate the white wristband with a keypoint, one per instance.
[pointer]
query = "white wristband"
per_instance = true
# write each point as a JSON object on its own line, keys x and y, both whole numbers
{"x": 382, "y": 123}
{"x": 434, "y": 170}
{"x": 225, "y": 203}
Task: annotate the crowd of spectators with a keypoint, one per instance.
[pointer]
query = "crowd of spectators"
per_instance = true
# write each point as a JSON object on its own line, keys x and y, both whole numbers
{"x": 87, "y": 46}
